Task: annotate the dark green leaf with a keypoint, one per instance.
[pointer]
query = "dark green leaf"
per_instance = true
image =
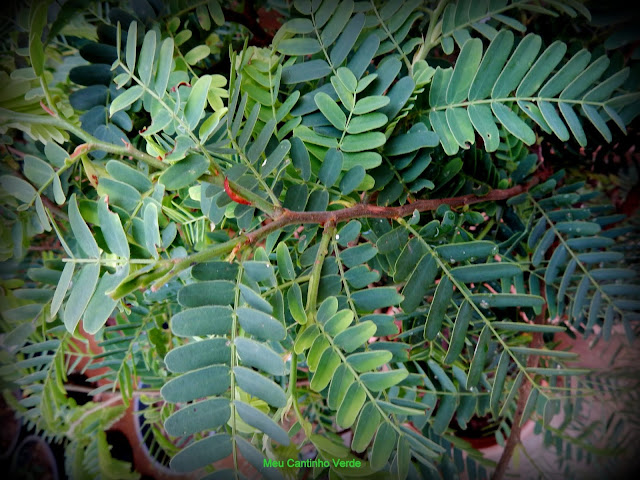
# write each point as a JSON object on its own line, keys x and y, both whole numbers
{"x": 330, "y": 167}
{"x": 81, "y": 293}
{"x": 438, "y": 308}
{"x": 374, "y": 298}
{"x": 198, "y": 354}
{"x": 202, "y": 453}
{"x": 205, "y": 382}
{"x": 185, "y": 172}
{"x": 205, "y": 320}
{"x": 81, "y": 232}
{"x": 205, "y": 415}
{"x": 356, "y": 336}
{"x": 258, "y": 355}
{"x": 258, "y": 386}
{"x": 262, "y": 422}
{"x": 260, "y": 325}
{"x": 196, "y": 101}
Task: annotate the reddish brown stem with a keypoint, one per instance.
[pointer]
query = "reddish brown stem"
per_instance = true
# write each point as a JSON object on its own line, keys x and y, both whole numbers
{"x": 287, "y": 217}
{"x": 362, "y": 210}
{"x": 523, "y": 395}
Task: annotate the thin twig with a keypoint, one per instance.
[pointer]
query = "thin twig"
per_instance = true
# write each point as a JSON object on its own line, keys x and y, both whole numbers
{"x": 288, "y": 217}
{"x": 523, "y": 395}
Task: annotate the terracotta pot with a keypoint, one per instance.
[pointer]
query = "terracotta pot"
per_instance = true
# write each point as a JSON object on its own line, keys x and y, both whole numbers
{"x": 143, "y": 461}
{"x": 11, "y": 425}
{"x": 33, "y": 458}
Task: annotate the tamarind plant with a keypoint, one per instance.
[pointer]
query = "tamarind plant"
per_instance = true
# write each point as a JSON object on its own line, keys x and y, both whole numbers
{"x": 337, "y": 244}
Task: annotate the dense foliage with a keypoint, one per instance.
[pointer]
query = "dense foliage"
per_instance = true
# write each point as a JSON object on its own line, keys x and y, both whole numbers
{"x": 342, "y": 241}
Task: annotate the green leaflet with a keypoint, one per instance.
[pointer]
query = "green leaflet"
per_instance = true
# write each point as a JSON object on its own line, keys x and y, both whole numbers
{"x": 586, "y": 78}
{"x": 344, "y": 45}
{"x": 456, "y": 342}
{"x": 320, "y": 344}
{"x": 479, "y": 356}
{"x": 516, "y": 68}
{"x": 370, "y": 103}
{"x": 383, "y": 446}
{"x": 352, "y": 179}
{"x": 260, "y": 325}
{"x": 505, "y": 300}
{"x": 338, "y": 21}
{"x": 262, "y": 422}
{"x": 216, "y": 292}
{"x": 403, "y": 457}
{"x": 354, "y": 337}
{"x": 340, "y": 383}
{"x": 125, "y": 99}
{"x": 195, "y": 355}
{"x": 285, "y": 264}
{"x": 37, "y": 23}
{"x": 366, "y": 122}
{"x": 165, "y": 59}
{"x": 101, "y": 306}
{"x": 377, "y": 381}
{"x": 438, "y": 308}
{"x": 327, "y": 309}
{"x": 362, "y": 141}
{"x": 217, "y": 270}
{"x": 513, "y": 123}
{"x": 196, "y": 54}
{"x": 296, "y": 306}
{"x": 185, "y": 172}
{"x": 331, "y": 110}
{"x": 492, "y": 64}
{"x": 202, "y": 453}
{"x": 204, "y": 382}
{"x": 419, "y": 282}
{"x": 204, "y": 415}
{"x": 205, "y": 320}
{"x": 81, "y": 231}
{"x": 258, "y": 147}
{"x": 351, "y": 405}
{"x": 304, "y": 72}
{"x": 354, "y": 256}
{"x": 366, "y": 427}
{"x": 567, "y": 73}
{"x": 255, "y": 384}
{"x": 542, "y": 69}
{"x": 112, "y": 230}
{"x": 147, "y": 54}
{"x": 151, "y": 229}
{"x": 120, "y": 194}
{"x": 499, "y": 381}
{"x": 306, "y": 339}
{"x": 485, "y": 272}
{"x": 196, "y": 101}
{"x": 124, "y": 173}
{"x": 338, "y": 322}
{"x": 458, "y": 252}
{"x": 373, "y": 298}
{"x": 299, "y": 46}
{"x": 80, "y": 295}
{"x": 61, "y": 288}
{"x": 331, "y": 166}
{"x": 258, "y": 355}
{"x": 131, "y": 50}
{"x": 326, "y": 367}
{"x": 256, "y": 459}
{"x": 464, "y": 71}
